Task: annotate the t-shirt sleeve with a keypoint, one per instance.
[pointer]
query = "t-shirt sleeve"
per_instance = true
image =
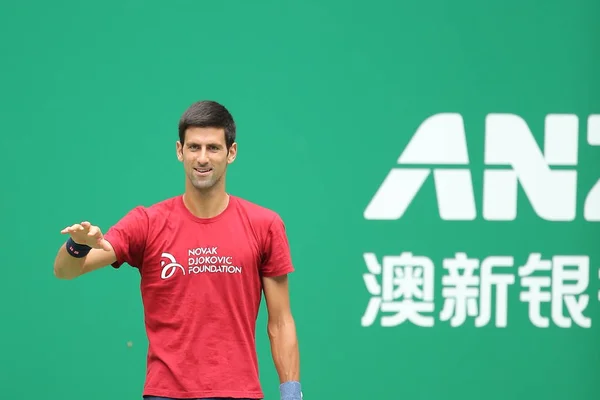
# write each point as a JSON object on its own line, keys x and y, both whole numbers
{"x": 128, "y": 238}
{"x": 277, "y": 259}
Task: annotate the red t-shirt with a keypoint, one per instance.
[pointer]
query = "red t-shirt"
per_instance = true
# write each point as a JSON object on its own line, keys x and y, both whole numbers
{"x": 201, "y": 290}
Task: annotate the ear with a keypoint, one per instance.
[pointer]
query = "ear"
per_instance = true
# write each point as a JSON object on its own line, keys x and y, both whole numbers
{"x": 232, "y": 153}
{"x": 179, "y": 150}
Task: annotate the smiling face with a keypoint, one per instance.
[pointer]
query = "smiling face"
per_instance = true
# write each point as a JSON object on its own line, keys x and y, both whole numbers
{"x": 205, "y": 157}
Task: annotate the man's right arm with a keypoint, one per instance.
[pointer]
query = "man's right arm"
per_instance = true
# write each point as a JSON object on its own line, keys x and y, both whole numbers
{"x": 69, "y": 267}
{"x": 89, "y": 250}
{"x": 83, "y": 237}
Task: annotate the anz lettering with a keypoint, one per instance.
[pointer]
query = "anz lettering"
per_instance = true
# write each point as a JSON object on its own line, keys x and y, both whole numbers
{"x": 439, "y": 148}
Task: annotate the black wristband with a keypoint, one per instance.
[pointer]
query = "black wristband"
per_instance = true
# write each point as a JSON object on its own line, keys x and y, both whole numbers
{"x": 77, "y": 250}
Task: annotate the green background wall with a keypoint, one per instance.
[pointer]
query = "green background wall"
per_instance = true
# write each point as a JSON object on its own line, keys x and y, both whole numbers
{"x": 326, "y": 95}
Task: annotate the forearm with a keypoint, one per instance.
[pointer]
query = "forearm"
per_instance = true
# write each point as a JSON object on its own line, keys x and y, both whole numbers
{"x": 284, "y": 349}
{"x": 66, "y": 266}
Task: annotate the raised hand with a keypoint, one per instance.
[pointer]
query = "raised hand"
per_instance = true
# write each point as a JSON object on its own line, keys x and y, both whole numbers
{"x": 87, "y": 234}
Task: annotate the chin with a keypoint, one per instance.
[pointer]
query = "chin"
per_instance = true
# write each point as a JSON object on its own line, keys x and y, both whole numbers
{"x": 203, "y": 185}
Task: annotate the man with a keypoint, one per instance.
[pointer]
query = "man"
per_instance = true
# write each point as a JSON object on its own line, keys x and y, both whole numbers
{"x": 204, "y": 257}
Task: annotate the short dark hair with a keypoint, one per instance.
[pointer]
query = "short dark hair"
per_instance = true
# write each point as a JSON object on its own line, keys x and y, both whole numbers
{"x": 208, "y": 113}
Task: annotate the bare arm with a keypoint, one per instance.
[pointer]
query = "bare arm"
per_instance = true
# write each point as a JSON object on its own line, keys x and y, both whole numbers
{"x": 101, "y": 254}
{"x": 68, "y": 267}
{"x": 282, "y": 329}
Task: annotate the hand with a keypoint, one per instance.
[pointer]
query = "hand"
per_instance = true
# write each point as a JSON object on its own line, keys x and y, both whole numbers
{"x": 88, "y": 234}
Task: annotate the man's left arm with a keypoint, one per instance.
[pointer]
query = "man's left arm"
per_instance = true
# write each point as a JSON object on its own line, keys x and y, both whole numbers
{"x": 281, "y": 329}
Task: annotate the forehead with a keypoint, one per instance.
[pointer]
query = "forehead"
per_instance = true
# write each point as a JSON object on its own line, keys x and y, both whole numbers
{"x": 204, "y": 135}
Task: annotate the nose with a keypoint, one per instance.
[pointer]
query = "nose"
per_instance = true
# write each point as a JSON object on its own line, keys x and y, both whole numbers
{"x": 202, "y": 157}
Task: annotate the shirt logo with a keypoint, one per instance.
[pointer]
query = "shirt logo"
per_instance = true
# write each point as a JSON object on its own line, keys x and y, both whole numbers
{"x": 168, "y": 269}
{"x": 200, "y": 260}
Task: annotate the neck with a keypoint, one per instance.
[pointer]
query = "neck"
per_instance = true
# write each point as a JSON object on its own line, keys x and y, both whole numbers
{"x": 205, "y": 204}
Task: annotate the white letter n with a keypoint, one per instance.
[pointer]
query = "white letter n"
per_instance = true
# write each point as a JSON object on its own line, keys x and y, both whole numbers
{"x": 439, "y": 140}
{"x": 509, "y": 142}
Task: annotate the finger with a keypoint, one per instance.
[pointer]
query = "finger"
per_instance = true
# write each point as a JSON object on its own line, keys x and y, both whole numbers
{"x": 72, "y": 228}
{"x": 94, "y": 231}
{"x": 75, "y": 228}
{"x": 86, "y": 224}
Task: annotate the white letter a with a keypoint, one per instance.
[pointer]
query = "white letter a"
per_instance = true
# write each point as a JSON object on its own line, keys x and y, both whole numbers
{"x": 439, "y": 140}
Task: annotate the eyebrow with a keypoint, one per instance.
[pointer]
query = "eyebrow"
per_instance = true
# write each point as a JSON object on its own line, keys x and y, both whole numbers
{"x": 192, "y": 143}
{"x": 189, "y": 144}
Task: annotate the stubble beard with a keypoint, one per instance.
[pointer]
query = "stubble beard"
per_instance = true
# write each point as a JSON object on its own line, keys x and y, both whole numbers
{"x": 204, "y": 185}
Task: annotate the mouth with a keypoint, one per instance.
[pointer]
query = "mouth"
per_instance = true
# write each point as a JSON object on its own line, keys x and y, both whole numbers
{"x": 203, "y": 171}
